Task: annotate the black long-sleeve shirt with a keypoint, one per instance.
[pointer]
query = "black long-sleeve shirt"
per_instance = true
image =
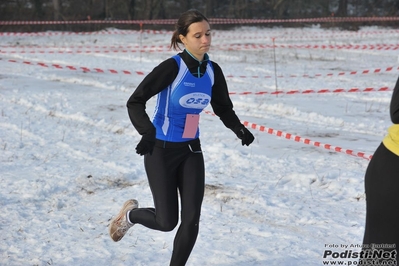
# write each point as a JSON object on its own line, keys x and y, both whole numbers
{"x": 162, "y": 76}
{"x": 394, "y": 107}
{"x": 391, "y": 140}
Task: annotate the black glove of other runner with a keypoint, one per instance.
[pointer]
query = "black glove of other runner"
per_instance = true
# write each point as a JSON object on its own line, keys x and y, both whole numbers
{"x": 146, "y": 144}
{"x": 244, "y": 135}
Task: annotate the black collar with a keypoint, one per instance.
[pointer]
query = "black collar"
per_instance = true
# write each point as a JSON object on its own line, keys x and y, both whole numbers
{"x": 193, "y": 64}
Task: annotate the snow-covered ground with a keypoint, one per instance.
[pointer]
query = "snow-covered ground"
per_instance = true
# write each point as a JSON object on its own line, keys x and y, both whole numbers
{"x": 67, "y": 160}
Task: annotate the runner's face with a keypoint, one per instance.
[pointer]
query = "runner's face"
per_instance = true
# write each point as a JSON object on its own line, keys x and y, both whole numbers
{"x": 198, "y": 39}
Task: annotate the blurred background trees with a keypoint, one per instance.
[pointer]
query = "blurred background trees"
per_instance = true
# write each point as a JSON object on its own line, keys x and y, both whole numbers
{"x": 14, "y": 10}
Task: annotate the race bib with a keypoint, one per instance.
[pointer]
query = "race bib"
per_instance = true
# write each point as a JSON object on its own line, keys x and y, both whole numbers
{"x": 191, "y": 126}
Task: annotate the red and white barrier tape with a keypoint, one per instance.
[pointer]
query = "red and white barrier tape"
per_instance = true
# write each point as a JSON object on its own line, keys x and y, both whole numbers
{"x": 103, "y": 32}
{"x": 211, "y": 20}
{"x": 307, "y": 141}
{"x": 281, "y": 35}
{"x": 296, "y": 138}
{"x": 300, "y": 34}
{"x": 363, "y": 72}
{"x": 229, "y": 47}
{"x": 107, "y": 51}
{"x": 84, "y": 69}
{"x": 76, "y": 22}
{"x": 162, "y": 48}
{"x": 312, "y": 91}
{"x": 141, "y": 73}
{"x": 47, "y": 48}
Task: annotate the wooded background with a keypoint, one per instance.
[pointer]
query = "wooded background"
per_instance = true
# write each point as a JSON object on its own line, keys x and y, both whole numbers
{"x": 67, "y": 10}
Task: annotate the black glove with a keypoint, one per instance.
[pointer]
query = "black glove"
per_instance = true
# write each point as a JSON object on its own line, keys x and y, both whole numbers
{"x": 146, "y": 144}
{"x": 244, "y": 135}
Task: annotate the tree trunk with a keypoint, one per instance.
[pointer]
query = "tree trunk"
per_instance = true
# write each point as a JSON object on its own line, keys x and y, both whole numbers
{"x": 106, "y": 9}
{"x": 342, "y": 8}
{"x": 132, "y": 7}
{"x": 280, "y": 8}
{"x": 148, "y": 9}
{"x": 57, "y": 11}
{"x": 208, "y": 8}
{"x": 39, "y": 13}
{"x": 162, "y": 12}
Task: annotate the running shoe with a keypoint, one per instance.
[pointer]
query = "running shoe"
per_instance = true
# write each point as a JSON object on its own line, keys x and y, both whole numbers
{"x": 120, "y": 224}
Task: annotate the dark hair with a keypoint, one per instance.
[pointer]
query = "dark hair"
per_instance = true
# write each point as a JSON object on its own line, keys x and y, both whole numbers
{"x": 186, "y": 19}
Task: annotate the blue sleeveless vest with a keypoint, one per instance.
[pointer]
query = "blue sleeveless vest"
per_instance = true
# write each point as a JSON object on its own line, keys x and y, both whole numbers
{"x": 186, "y": 95}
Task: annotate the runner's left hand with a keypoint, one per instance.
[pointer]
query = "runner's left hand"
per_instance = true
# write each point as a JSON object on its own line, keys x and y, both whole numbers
{"x": 245, "y": 135}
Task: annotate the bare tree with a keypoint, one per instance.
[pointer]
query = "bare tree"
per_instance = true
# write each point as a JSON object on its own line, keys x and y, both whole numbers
{"x": 209, "y": 8}
{"x": 238, "y": 9}
{"x": 185, "y": 5}
{"x": 38, "y": 9}
{"x": 57, "y": 11}
{"x": 342, "y": 8}
{"x": 106, "y": 9}
{"x": 132, "y": 7}
{"x": 280, "y": 8}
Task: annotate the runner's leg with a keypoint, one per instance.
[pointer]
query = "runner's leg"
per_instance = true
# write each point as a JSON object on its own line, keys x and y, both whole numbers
{"x": 191, "y": 185}
{"x": 161, "y": 174}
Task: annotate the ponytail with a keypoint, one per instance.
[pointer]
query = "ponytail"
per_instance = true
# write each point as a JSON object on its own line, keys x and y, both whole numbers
{"x": 175, "y": 40}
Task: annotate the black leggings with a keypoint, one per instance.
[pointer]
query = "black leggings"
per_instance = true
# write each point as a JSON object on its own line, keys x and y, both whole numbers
{"x": 382, "y": 200}
{"x": 174, "y": 168}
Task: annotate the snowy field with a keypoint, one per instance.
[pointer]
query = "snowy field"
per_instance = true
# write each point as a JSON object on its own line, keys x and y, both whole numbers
{"x": 68, "y": 161}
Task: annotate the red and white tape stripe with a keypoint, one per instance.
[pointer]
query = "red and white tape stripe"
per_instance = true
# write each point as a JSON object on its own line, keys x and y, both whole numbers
{"x": 103, "y": 32}
{"x": 141, "y": 73}
{"x": 84, "y": 69}
{"x": 211, "y": 20}
{"x": 48, "y": 48}
{"x": 162, "y": 48}
{"x": 307, "y": 141}
{"x": 108, "y": 51}
{"x": 233, "y": 47}
{"x": 312, "y": 91}
{"x": 281, "y": 35}
{"x": 363, "y": 72}
{"x": 301, "y": 34}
